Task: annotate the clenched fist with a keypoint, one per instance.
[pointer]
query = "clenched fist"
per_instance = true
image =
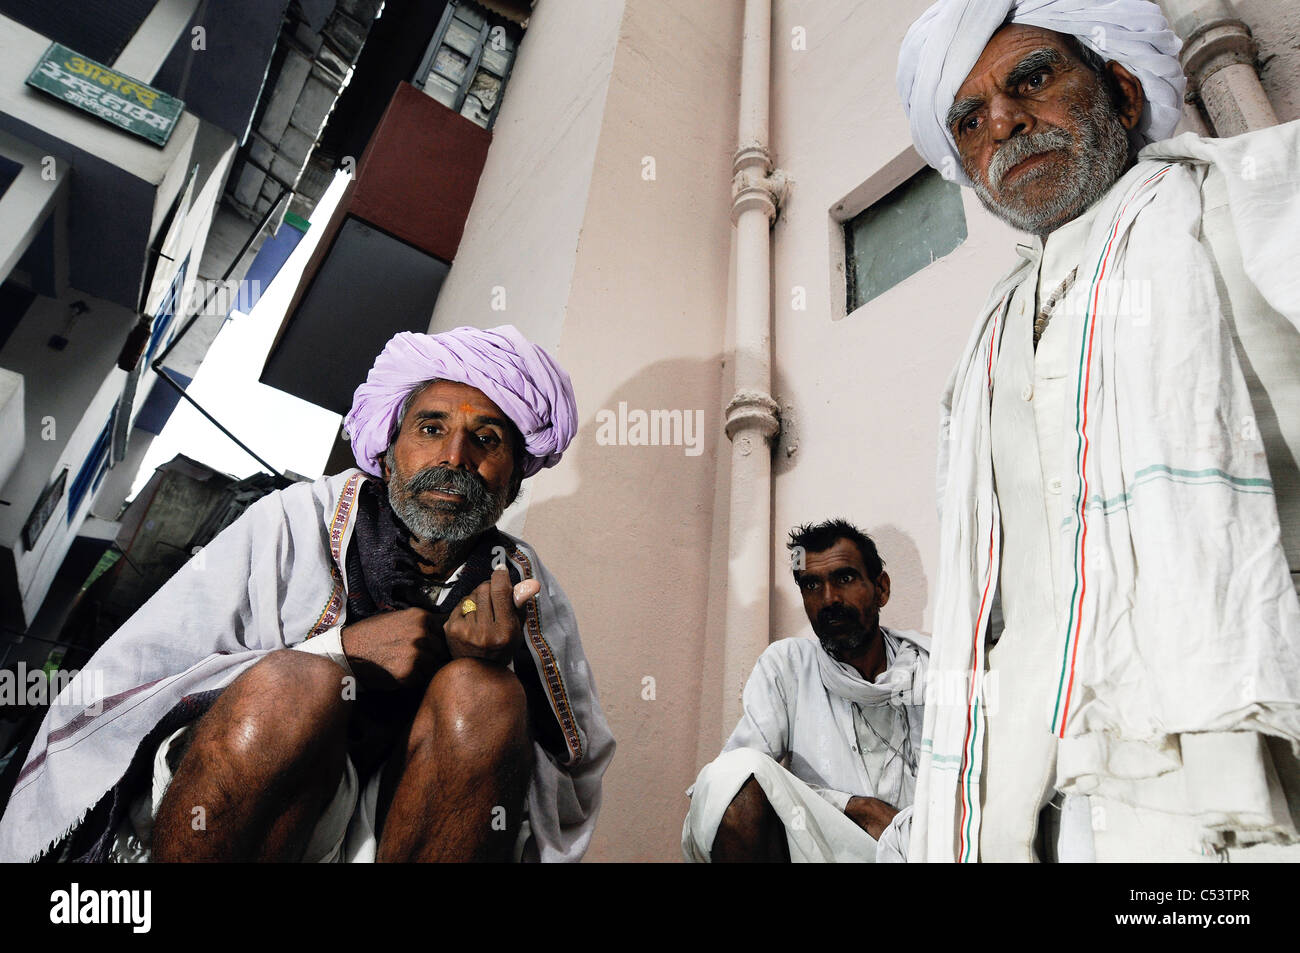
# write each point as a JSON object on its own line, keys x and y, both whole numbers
{"x": 492, "y": 631}
{"x": 396, "y": 649}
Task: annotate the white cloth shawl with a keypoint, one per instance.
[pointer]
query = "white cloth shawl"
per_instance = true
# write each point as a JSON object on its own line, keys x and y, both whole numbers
{"x": 270, "y": 580}
{"x": 1181, "y": 615}
{"x": 799, "y": 703}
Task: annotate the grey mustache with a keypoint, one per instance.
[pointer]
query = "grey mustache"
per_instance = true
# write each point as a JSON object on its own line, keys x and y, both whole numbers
{"x": 1021, "y": 148}
{"x": 468, "y": 485}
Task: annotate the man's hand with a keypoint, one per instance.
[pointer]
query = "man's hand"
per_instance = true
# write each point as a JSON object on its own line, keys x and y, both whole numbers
{"x": 871, "y": 814}
{"x": 395, "y": 649}
{"x": 492, "y": 631}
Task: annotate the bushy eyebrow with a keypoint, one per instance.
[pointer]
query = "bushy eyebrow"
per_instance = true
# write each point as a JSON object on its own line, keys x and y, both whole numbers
{"x": 478, "y": 421}
{"x": 1031, "y": 65}
{"x": 963, "y": 108}
{"x": 1034, "y": 64}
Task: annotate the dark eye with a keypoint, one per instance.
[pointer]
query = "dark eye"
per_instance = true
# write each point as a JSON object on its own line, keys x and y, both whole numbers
{"x": 1037, "y": 81}
{"x": 968, "y": 124}
{"x": 489, "y": 439}
{"x": 429, "y": 428}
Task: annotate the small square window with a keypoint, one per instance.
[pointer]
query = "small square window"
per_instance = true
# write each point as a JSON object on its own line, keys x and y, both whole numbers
{"x": 913, "y": 226}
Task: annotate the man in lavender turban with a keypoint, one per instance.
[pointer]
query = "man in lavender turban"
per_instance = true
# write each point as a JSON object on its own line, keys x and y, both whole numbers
{"x": 362, "y": 668}
{"x": 520, "y": 377}
{"x": 1110, "y": 477}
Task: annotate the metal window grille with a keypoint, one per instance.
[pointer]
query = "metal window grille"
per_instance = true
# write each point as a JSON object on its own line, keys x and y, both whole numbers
{"x": 468, "y": 63}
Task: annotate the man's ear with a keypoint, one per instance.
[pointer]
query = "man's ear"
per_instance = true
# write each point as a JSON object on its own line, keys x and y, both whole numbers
{"x": 1130, "y": 97}
{"x": 882, "y": 589}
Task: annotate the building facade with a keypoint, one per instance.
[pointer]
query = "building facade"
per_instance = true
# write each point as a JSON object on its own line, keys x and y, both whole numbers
{"x": 130, "y": 134}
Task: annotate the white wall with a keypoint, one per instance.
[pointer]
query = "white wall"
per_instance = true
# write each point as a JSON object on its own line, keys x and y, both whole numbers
{"x": 860, "y": 394}
{"x": 523, "y": 228}
{"x": 70, "y": 394}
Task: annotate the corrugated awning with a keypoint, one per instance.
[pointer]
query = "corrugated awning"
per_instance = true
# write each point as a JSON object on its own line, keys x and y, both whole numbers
{"x": 516, "y": 10}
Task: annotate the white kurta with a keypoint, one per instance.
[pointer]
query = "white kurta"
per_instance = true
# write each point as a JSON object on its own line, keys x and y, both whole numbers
{"x": 1029, "y": 401}
{"x": 1150, "y": 641}
{"x": 838, "y": 736}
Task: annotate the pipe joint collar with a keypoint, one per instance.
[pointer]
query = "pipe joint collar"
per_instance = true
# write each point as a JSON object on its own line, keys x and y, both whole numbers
{"x": 755, "y": 189}
{"x": 1213, "y": 45}
{"x": 752, "y": 410}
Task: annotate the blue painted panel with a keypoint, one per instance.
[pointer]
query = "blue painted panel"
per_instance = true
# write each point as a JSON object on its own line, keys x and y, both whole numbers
{"x": 9, "y": 170}
{"x": 275, "y": 251}
{"x": 160, "y": 403}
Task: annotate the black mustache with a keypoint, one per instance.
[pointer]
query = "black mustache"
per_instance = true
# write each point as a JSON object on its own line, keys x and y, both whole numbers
{"x": 469, "y": 485}
{"x": 838, "y": 614}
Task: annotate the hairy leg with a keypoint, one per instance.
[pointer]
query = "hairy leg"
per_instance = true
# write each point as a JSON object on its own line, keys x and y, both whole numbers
{"x": 261, "y": 766}
{"x": 751, "y": 831}
{"x": 464, "y": 770}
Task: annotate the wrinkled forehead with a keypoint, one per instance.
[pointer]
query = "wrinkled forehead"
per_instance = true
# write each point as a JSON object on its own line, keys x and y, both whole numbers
{"x": 1004, "y": 51}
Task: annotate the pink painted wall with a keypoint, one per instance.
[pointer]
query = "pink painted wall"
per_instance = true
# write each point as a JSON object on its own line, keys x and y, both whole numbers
{"x": 1276, "y": 25}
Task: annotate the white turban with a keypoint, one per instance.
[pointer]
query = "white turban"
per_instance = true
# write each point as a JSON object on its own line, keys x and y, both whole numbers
{"x": 943, "y": 46}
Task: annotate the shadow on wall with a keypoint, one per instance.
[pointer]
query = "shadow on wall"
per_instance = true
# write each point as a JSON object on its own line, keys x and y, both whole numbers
{"x": 631, "y": 545}
{"x": 630, "y": 541}
{"x": 909, "y": 589}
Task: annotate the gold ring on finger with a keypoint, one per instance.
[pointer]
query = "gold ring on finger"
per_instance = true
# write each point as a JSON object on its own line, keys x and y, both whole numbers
{"x": 467, "y": 607}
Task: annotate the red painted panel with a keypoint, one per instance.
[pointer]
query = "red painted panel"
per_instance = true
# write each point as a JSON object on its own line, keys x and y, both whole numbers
{"x": 418, "y": 175}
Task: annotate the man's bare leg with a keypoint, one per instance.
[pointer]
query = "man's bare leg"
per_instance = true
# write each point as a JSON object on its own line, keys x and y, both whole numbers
{"x": 468, "y": 762}
{"x": 751, "y": 831}
{"x": 262, "y": 766}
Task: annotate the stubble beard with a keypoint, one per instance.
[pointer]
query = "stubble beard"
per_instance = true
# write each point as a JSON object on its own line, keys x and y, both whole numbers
{"x": 442, "y": 520}
{"x": 846, "y": 644}
{"x": 1099, "y": 154}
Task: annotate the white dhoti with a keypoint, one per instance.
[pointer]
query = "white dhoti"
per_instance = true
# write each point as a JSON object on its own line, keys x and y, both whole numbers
{"x": 814, "y": 830}
{"x": 841, "y": 735}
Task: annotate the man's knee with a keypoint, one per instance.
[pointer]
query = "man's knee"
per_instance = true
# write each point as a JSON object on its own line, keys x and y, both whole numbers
{"x": 475, "y": 707}
{"x": 738, "y": 770}
{"x": 284, "y": 707}
{"x": 739, "y": 762}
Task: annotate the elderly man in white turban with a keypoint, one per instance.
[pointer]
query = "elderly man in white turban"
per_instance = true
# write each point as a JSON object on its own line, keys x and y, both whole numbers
{"x": 359, "y": 668}
{"x": 1112, "y": 464}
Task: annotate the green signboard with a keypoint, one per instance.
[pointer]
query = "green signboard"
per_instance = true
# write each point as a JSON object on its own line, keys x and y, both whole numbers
{"x": 113, "y": 97}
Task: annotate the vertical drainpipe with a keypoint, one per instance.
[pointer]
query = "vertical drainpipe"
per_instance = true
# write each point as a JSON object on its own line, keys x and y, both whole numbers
{"x": 1219, "y": 59}
{"x": 751, "y": 415}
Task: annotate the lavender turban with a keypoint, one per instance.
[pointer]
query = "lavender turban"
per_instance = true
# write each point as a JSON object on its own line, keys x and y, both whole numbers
{"x": 516, "y": 375}
{"x": 944, "y": 44}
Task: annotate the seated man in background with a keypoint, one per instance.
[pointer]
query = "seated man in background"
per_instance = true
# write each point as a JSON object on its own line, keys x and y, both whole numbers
{"x": 359, "y": 668}
{"x": 843, "y": 715}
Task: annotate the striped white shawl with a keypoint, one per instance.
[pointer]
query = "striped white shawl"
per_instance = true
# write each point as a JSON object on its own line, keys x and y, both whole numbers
{"x": 1181, "y": 617}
